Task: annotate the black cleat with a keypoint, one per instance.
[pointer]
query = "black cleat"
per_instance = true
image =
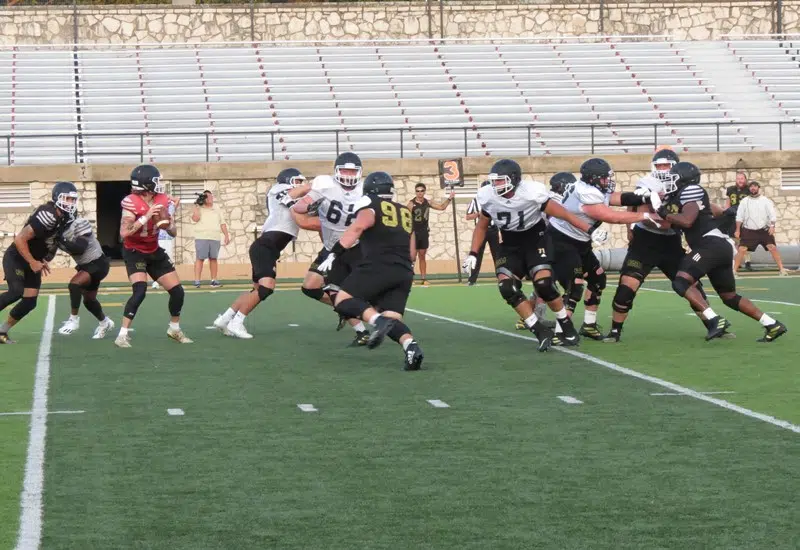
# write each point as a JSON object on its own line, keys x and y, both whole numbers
{"x": 613, "y": 336}
{"x": 560, "y": 340}
{"x": 342, "y": 323}
{"x": 717, "y": 327}
{"x": 414, "y": 357}
{"x": 382, "y": 327}
{"x": 773, "y": 332}
{"x": 544, "y": 335}
{"x": 591, "y": 331}
{"x": 4, "y": 338}
{"x": 361, "y": 339}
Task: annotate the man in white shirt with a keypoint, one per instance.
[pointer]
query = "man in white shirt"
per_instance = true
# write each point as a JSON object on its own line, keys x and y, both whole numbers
{"x": 755, "y": 225}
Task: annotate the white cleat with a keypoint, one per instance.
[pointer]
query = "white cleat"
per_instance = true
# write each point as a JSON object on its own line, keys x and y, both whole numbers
{"x": 179, "y": 336}
{"x": 69, "y": 326}
{"x": 123, "y": 341}
{"x": 156, "y": 285}
{"x": 220, "y": 323}
{"x": 237, "y": 330}
{"x": 102, "y": 329}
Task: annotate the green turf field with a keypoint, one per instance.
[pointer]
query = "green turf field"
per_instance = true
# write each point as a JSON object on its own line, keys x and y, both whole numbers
{"x": 507, "y": 465}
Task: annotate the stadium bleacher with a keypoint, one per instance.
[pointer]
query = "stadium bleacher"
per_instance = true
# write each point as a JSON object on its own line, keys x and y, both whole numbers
{"x": 263, "y": 101}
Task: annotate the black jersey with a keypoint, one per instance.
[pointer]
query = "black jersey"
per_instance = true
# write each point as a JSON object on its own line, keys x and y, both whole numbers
{"x": 47, "y": 224}
{"x": 705, "y": 221}
{"x": 389, "y": 240}
{"x": 735, "y": 194}
{"x": 421, "y": 214}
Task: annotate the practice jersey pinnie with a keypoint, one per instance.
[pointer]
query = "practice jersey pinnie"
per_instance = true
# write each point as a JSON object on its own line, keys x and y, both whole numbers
{"x": 389, "y": 240}
{"x": 656, "y": 186}
{"x": 47, "y": 225}
{"x": 705, "y": 223}
{"x": 518, "y": 213}
{"x": 338, "y": 209}
{"x": 579, "y": 195}
{"x": 82, "y": 229}
{"x": 420, "y": 213}
{"x": 279, "y": 217}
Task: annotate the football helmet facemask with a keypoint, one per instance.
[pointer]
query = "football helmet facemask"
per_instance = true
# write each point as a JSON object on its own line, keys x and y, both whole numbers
{"x": 505, "y": 176}
{"x": 65, "y": 196}
{"x": 347, "y": 170}
{"x": 146, "y": 178}
{"x": 662, "y": 163}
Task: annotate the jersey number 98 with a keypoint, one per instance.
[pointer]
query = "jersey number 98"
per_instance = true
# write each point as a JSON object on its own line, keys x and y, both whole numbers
{"x": 390, "y": 216}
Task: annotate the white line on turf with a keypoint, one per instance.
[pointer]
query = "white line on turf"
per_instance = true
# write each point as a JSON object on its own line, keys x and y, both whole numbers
{"x": 703, "y": 392}
{"x": 715, "y": 296}
{"x": 569, "y": 399}
{"x": 635, "y": 374}
{"x": 175, "y": 412}
{"x": 24, "y": 413}
{"x": 438, "y": 403}
{"x": 293, "y": 325}
{"x": 30, "y": 521}
{"x": 306, "y": 407}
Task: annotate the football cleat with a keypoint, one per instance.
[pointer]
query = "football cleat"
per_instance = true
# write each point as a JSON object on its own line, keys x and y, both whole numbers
{"x": 414, "y": 357}
{"x": 382, "y": 327}
{"x": 4, "y": 339}
{"x": 591, "y": 331}
{"x": 544, "y": 335}
{"x": 220, "y": 323}
{"x": 69, "y": 326}
{"x": 102, "y": 329}
{"x": 123, "y": 341}
{"x": 361, "y": 339}
{"x": 613, "y": 336}
{"x": 179, "y": 336}
{"x": 717, "y": 327}
{"x": 342, "y": 323}
{"x": 560, "y": 340}
{"x": 773, "y": 332}
{"x": 237, "y": 330}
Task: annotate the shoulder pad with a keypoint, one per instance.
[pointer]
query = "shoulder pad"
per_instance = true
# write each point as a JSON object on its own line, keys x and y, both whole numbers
{"x": 322, "y": 182}
{"x": 589, "y": 194}
{"x": 533, "y": 190}
{"x": 364, "y": 202}
{"x": 484, "y": 194}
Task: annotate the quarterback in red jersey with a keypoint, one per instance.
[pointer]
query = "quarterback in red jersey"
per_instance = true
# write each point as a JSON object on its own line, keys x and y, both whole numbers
{"x": 144, "y": 212}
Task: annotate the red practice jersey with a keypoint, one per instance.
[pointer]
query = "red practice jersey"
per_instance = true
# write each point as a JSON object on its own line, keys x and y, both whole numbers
{"x": 146, "y": 239}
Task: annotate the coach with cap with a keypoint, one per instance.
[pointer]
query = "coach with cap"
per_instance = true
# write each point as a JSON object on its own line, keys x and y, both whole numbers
{"x": 755, "y": 226}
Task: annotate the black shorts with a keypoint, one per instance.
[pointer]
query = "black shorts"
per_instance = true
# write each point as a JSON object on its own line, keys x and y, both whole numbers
{"x": 751, "y": 239}
{"x": 156, "y": 264}
{"x": 421, "y": 239}
{"x": 524, "y": 252}
{"x": 572, "y": 258}
{"x": 712, "y": 257}
{"x": 18, "y": 273}
{"x": 342, "y": 266}
{"x": 385, "y": 286}
{"x": 649, "y": 250}
{"x": 97, "y": 270}
{"x": 265, "y": 252}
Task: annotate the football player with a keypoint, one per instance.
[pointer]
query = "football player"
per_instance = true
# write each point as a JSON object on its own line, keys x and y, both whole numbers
{"x": 590, "y": 199}
{"x": 92, "y": 267}
{"x": 26, "y": 260}
{"x": 518, "y": 208}
{"x": 333, "y": 199}
{"x": 687, "y": 206}
{"x": 144, "y": 212}
{"x": 278, "y": 231}
{"x": 649, "y": 247}
{"x": 377, "y": 289}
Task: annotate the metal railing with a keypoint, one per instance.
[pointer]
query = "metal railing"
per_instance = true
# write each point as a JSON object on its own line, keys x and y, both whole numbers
{"x": 660, "y": 135}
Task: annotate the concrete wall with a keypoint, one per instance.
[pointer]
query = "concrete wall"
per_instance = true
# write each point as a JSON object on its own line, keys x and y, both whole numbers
{"x": 117, "y": 24}
{"x": 241, "y": 188}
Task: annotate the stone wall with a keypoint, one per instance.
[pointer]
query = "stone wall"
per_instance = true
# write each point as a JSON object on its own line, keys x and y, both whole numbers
{"x": 118, "y": 24}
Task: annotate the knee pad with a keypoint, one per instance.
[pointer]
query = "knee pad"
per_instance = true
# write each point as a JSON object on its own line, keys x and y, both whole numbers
{"x": 315, "y": 293}
{"x": 572, "y": 297}
{"x": 264, "y": 292}
{"x": 546, "y": 288}
{"x": 623, "y": 299}
{"x": 681, "y": 286}
{"x": 176, "y": 294}
{"x": 596, "y": 282}
{"x": 351, "y": 308}
{"x": 732, "y": 302}
{"x": 593, "y": 299}
{"x": 23, "y": 307}
{"x": 510, "y": 292}
{"x": 398, "y": 330}
{"x": 136, "y": 299}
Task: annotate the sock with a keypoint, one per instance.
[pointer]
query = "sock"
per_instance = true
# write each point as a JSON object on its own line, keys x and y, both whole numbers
{"x": 174, "y": 326}
{"x": 73, "y": 317}
{"x": 617, "y": 325}
{"x": 562, "y": 313}
{"x": 123, "y": 331}
{"x": 239, "y": 317}
{"x": 766, "y": 320}
{"x": 407, "y": 343}
{"x": 709, "y": 314}
{"x": 590, "y": 317}
{"x": 530, "y": 321}
{"x": 359, "y": 327}
{"x": 4, "y": 328}
{"x": 228, "y": 315}
{"x": 374, "y": 319}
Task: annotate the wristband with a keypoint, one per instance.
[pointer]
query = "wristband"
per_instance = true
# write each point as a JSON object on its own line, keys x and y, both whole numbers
{"x": 632, "y": 199}
{"x": 594, "y": 226}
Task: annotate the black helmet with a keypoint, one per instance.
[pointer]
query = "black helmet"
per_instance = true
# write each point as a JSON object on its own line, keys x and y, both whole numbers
{"x": 146, "y": 178}
{"x": 664, "y": 156}
{"x": 62, "y": 191}
{"x": 507, "y": 171}
{"x": 379, "y": 184}
{"x": 291, "y": 176}
{"x": 594, "y": 171}
{"x": 681, "y": 175}
{"x": 347, "y": 161}
{"x": 560, "y": 181}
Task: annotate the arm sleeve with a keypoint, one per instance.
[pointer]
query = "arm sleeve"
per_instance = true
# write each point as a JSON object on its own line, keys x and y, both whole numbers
{"x": 691, "y": 193}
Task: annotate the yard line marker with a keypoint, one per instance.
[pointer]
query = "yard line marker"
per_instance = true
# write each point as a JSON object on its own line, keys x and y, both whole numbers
{"x": 715, "y": 296}
{"x": 175, "y": 412}
{"x": 569, "y": 399}
{"x": 293, "y": 325}
{"x": 23, "y": 413}
{"x": 211, "y": 327}
{"x": 438, "y": 404}
{"x": 635, "y": 374}
{"x": 703, "y": 392}
{"x": 30, "y": 521}
{"x": 306, "y": 407}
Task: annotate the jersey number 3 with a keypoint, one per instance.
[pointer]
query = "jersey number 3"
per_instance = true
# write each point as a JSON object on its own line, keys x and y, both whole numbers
{"x": 390, "y": 216}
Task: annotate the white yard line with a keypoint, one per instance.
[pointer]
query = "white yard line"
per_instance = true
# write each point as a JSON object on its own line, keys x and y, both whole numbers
{"x": 715, "y": 296}
{"x": 30, "y": 521}
{"x": 26, "y": 413}
{"x": 635, "y": 374}
{"x": 570, "y": 400}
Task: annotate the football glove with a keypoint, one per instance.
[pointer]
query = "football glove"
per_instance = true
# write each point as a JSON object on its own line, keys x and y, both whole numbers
{"x": 599, "y": 236}
{"x": 643, "y": 192}
{"x": 313, "y": 208}
{"x": 655, "y": 201}
{"x": 470, "y": 262}
{"x": 648, "y": 217}
{"x": 327, "y": 263}
{"x": 287, "y": 200}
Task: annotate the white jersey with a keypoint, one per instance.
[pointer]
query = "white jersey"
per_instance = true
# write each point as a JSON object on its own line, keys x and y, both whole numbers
{"x": 517, "y": 213}
{"x": 575, "y": 198}
{"x": 338, "y": 208}
{"x": 279, "y": 218}
{"x": 656, "y": 186}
